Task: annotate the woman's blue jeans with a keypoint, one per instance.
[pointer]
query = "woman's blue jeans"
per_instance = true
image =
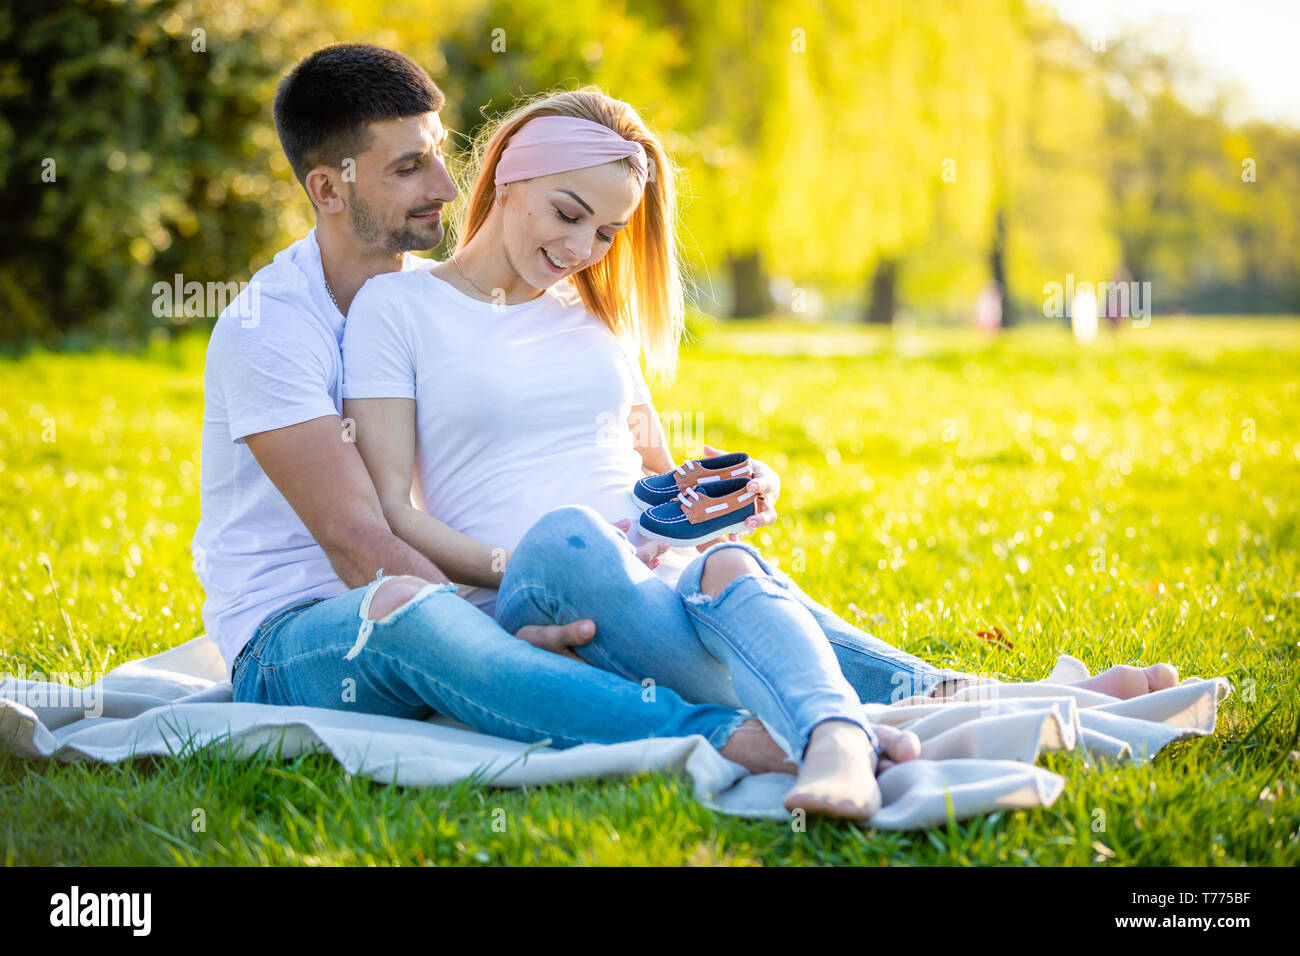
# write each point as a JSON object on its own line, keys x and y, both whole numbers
{"x": 761, "y": 643}
{"x": 438, "y": 652}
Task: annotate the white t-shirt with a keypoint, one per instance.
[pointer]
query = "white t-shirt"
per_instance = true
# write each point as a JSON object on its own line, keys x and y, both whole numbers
{"x": 273, "y": 360}
{"x": 520, "y": 409}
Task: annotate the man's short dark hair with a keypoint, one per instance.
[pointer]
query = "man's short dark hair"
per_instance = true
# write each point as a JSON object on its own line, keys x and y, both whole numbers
{"x": 322, "y": 106}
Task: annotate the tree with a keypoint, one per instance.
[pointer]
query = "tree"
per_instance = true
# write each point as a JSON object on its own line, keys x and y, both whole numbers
{"x": 137, "y": 144}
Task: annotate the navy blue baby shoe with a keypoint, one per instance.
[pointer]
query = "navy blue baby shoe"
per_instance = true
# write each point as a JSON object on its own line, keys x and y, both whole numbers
{"x": 702, "y": 513}
{"x": 660, "y": 489}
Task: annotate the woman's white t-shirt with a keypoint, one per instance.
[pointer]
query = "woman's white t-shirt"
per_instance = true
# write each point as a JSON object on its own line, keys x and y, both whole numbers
{"x": 520, "y": 409}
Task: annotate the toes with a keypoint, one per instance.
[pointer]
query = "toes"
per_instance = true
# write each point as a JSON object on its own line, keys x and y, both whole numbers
{"x": 909, "y": 747}
{"x": 1161, "y": 676}
{"x": 1128, "y": 681}
{"x": 898, "y": 745}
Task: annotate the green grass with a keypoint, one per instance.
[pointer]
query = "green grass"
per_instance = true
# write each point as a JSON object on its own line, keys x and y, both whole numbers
{"x": 1131, "y": 502}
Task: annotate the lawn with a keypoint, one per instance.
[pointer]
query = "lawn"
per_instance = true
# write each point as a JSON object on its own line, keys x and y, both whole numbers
{"x": 1135, "y": 501}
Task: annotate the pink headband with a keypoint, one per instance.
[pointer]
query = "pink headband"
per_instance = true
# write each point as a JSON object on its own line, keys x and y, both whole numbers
{"x": 557, "y": 144}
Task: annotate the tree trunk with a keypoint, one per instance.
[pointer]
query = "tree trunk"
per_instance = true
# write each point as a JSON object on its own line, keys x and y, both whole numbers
{"x": 998, "y": 267}
{"x": 750, "y": 297}
{"x": 882, "y": 305}
{"x": 1253, "y": 273}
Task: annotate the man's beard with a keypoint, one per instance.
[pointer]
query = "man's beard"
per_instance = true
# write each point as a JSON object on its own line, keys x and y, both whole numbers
{"x": 367, "y": 227}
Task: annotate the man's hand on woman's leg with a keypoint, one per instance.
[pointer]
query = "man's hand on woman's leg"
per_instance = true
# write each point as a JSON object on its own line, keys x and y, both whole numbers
{"x": 559, "y": 638}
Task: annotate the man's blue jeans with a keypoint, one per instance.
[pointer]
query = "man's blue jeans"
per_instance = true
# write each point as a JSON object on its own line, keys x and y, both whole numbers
{"x": 761, "y": 643}
{"x": 439, "y": 653}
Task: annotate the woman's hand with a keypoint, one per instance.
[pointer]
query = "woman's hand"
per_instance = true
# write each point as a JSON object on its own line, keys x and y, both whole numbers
{"x": 648, "y": 552}
{"x": 768, "y": 485}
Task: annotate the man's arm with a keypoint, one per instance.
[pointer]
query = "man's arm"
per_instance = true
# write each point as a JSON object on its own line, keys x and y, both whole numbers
{"x": 325, "y": 482}
{"x": 323, "y": 478}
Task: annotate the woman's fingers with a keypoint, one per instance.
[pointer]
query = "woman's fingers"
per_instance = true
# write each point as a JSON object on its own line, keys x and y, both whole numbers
{"x": 766, "y": 483}
{"x": 768, "y": 487}
{"x": 763, "y": 516}
{"x": 648, "y": 553}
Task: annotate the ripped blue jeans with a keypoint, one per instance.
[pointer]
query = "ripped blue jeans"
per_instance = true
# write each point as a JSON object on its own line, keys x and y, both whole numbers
{"x": 761, "y": 643}
{"x": 439, "y": 653}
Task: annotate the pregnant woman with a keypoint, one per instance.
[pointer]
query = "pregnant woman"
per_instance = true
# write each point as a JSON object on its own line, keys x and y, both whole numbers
{"x": 506, "y": 382}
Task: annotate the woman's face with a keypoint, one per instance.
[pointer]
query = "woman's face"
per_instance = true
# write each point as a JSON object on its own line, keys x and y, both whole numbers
{"x": 560, "y": 224}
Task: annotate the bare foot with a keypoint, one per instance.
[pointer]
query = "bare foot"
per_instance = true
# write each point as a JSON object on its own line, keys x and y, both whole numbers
{"x": 838, "y": 776}
{"x": 751, "y": 746}
{"x": 896, "y": 746}
{"x": 1125, "y": 682}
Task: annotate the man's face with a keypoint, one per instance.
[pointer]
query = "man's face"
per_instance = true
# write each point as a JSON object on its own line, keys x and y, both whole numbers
{"x": 401, "y": 185}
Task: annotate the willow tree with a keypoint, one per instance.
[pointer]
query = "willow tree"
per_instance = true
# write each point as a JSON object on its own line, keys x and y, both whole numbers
{"x": 1204, "y": 209}
{"x": 1055, "y": 171}
{"x": 725, "y": 91}
{"x": 884, "y": 140}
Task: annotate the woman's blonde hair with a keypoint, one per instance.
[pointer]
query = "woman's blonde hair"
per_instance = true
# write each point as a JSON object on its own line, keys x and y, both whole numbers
{"x": 636, "y": 289}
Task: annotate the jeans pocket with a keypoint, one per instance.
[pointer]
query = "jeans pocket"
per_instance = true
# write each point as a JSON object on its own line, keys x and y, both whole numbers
{"x": 267, "y": 627}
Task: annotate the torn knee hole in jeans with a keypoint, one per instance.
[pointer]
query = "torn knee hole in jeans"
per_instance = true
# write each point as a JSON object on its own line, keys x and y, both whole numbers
{"x": 368, "y": 623}
{"x": 701, "y": 597}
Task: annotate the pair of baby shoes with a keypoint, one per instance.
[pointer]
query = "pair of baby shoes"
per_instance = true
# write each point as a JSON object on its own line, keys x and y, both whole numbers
{"x": 699, "y": 500}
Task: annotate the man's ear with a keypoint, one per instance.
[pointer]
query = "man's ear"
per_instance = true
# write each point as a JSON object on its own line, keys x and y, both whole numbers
{"x": 324, "y": 186}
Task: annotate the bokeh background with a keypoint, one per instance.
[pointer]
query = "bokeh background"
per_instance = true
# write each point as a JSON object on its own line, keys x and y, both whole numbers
{"x": 937, "y": 160}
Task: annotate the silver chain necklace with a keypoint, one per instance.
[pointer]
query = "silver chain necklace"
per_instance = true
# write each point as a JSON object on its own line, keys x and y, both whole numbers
{"x": 331, "y": 292}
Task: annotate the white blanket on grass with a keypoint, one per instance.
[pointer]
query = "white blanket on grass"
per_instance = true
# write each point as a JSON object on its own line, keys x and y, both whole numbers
{"x": 979, "y": 749}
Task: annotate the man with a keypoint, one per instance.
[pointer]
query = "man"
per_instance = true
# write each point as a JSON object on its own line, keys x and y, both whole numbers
{"x": 310, "y": 597}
